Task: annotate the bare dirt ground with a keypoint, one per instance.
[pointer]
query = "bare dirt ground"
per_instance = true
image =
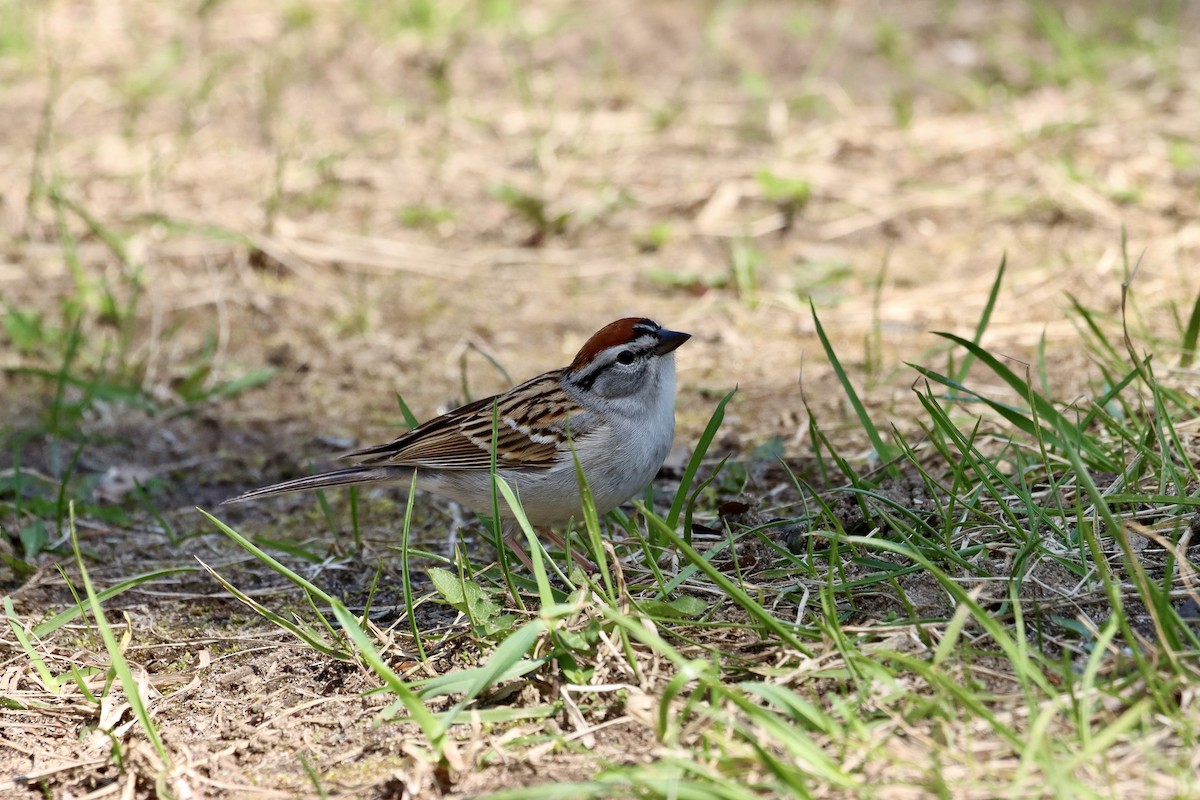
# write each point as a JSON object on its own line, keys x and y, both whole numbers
{"x": 319, "y": 191}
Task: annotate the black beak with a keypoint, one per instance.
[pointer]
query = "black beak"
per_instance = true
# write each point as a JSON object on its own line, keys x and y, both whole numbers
{"x": 669, "y": 340}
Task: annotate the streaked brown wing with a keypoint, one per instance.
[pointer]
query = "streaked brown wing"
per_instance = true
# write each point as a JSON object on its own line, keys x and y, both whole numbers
{"x": 532, "y": 430}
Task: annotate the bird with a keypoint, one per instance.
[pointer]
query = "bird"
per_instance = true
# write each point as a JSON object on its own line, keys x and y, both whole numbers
{"x": 613, "y": 405}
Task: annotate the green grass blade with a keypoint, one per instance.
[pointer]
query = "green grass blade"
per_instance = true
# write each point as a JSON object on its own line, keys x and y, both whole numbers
{"x": 406, "y": 590}
{"x": 1190, "y": 335}
{"x": 864, "y": 419}
{"x": 49, "y": 682}
{"x": 269, "y": 560}
{"x": 65, "y": 617}
{"x": 984, "y": 318}
{"x": 535, "y": 549}
{"x": 303, "y": 633}
{"x": 410, "y": 419}
{"x": 418, "y": 711}
{"x": 503, "y": 661}
{"x": 739, "y": 595}
{"x": 689, "y": 473}
{"x": 119, "y": 664}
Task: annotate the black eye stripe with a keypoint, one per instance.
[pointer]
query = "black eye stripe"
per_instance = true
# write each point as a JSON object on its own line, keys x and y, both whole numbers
{"x": 588, "y": 380}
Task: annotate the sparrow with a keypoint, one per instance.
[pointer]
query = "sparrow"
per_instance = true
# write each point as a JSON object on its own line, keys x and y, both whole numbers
{"x": 614, "y": 404}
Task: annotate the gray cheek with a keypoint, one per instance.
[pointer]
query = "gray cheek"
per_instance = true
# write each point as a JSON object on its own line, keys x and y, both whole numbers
{"x": 616, "y": 382}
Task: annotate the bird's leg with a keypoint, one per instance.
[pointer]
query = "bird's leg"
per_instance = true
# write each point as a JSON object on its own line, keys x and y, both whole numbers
{"x": 558, "y": 541}
{"x": 512, "y": 538}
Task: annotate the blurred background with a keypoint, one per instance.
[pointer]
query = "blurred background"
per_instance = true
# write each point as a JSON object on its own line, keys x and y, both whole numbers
{"x": 364, "y": 198}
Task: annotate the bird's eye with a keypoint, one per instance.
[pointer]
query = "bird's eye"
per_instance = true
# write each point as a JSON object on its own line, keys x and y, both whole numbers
{"x": 625, "y": 357}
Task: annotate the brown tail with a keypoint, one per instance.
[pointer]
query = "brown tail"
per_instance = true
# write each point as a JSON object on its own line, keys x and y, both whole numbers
{"x": 338, "y": 477}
